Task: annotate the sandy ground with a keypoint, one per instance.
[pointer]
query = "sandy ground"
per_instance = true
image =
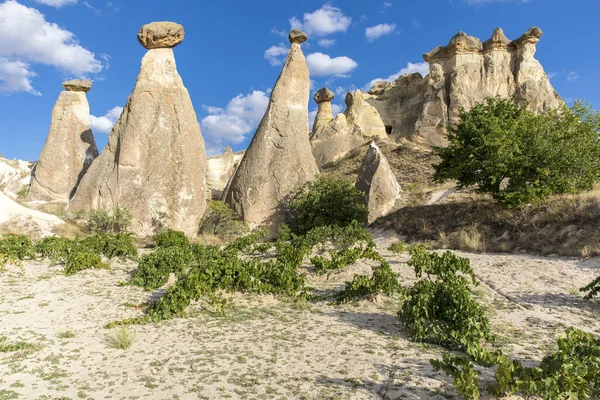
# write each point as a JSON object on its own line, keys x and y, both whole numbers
{"x": 266, "y": 348}
{"x": 27, "y": 220}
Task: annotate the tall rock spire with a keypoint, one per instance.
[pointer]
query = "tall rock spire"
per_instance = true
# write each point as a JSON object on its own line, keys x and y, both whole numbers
{"x": 325, "y": 113}
{"x": 155, "y": 162}
{"x": 70, "y": 147}
{"x": 279, "y": 159}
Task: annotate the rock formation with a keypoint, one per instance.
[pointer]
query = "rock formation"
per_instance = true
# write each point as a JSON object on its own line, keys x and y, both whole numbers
{"x": 324, "y": 114}
{"x": 279, "y": 159}
{"x": 220, "y": 169}
{"x": 333, "y": 141}
{"x": 155, "y": 161}
{"x": 363, "y": 115}
{"x": 376, "y": 179}
{"x": 461, "y": 74}
{"x": 15, "y": 176}
{"x": 70, "y": 147}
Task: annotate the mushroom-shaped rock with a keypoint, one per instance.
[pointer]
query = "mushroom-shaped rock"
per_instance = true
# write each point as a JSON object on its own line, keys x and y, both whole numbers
{"x": 77, "y": 85}
{"x": 70, "y": 147}
{"x": 279, "y": 159}
{"x": 532, "y": 35}
{"x": 498, "y": 41}
{"x": 297, "y": 36}
{"x": 157, "y": 35}
{"x": 377, "y": 181}
{"x": 155, "y": 163}
{"x": 460, "y": 43}
{"x": 324, "y": 115}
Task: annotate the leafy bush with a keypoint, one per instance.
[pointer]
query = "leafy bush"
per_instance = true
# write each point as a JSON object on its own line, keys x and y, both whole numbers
{"x": 80, "y": 260}
{"x": 518, "y": 156}
{"x": 111, "y": 245}
{"x": 154, "y": 269}
{"x": 221, "y": 221}
{"x": 55, "y": 248}
{"x": 383, "y": 280}
{"x": 325, "y": 202}
{"x": 593, "y": 289}
{"x": 102, "y": 221}
{"x": 15, "y": 248}
{"x": 442, "y": 310}
{"x": 171, "y": 238}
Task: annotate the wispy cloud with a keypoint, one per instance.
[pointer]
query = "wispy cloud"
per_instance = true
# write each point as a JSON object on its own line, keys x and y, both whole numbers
{"x": 322, "y": 22}
{"x": 276, "y": 54}
{"x": 105, "y": 123}
{"x": 377, "y": 31}
{"x": 573, "y": 76}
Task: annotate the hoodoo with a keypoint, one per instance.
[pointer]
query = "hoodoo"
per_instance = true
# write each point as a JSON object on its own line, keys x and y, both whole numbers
{"x": 155, "y": 161}
{"x": 279, "y": 159}
{"x": 70, "y": 147}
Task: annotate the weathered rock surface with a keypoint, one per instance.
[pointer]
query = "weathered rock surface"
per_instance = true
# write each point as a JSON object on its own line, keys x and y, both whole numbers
{"x": 364, "y": 115}
{"x": 461, "y": 74}
{"x": 219, "y": 170}
{"x": 376, "y": 179}
{"x": 333, "y": 141}
{"x": 15, "y": 176}
{"x": 324, "y": 116}
{"x": 155, "y": 161}
{"x": 157, "y": 35}
{"x": 70, "y": 147}
{"x": 279, "y": 159}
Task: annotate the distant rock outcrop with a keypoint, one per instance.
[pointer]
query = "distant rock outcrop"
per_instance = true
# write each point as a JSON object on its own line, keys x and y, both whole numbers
{"x": 461, "y": 74}
{"x": 279, "y": 159}
{"x": 364, "y": 115}
{"x": 376, "y": 179}
{"x": 70, "y": 147}
{"x": 333, "y": 141}
{"x": 15, "y": 176}
{"x": 219, "y": 170}
{"x": 155, "y": 161}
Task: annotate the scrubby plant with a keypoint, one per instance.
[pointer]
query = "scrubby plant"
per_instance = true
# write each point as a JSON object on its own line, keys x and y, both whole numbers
{"x": 383, "y": 280}
{"x": 324, "y": 202}
{"x": 55, "y": 248}
{"x": 221, "y": 221}
{"x": 102, "y": 221}
{"x": 15, "y": 248}
{"x": 171, "y": 238}
{"x": 154, "y": 269}
{"x": 593, "y": 289}
{"x": 80, "y": 260}
{"x": 518, "y": 156}
{"x": 112, "y": 245}
{"x": 121, "y": 338}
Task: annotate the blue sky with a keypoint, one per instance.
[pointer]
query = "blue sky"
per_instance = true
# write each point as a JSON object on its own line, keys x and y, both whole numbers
{"x": 232, "y": 53}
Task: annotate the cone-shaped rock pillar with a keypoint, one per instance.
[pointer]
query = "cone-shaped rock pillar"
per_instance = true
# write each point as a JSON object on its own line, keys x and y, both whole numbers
{"x": 325, "y": 113}
{"x": 70, "y": 147}
{"x": 279, "y": 159}
{"x": 155, "y": 162}
{"x": 376, "y": 179}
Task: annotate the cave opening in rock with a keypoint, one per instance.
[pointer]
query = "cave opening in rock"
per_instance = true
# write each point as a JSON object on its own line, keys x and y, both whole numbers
{"x": 389, "y": 129}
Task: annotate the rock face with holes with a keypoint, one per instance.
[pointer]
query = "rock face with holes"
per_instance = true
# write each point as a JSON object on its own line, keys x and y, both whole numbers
{"x": 155, "y": 162}
{"x": 376, "y": 179}
{"x": 279, "y": 159}
{"x": 461, "y": 74}
{"x": 70, "y": 147}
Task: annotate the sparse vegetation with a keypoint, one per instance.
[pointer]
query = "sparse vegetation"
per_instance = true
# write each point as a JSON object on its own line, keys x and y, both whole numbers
{"x": 121, "y": 338}
{"x": 15, "y": 248}
{"x": 221, "y": 221}
{"x": 102, "y": 221}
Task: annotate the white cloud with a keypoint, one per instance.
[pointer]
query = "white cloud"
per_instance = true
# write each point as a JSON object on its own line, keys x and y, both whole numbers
{"x": 323, "y": 22}
{"x": 387, "y": 4}
{"x": 231, "y": 124}
{"x": 551, "y": 75}
{"x": 56, "y": 3}
{"x": 105, "y": 123}
{"x": 326, "y": 42}
{"x": 422, "y": 68}
{"x": 278, "y": 32}
{"x": 573, "y": 76}
{"x": 321, "y": 64}
{"x": 27, "y": 38}
{"x": 15, "y": 77}
{"x": 415, "y": 22}
{"x": 275, "y": 54}
{"x": 377, "y": 31}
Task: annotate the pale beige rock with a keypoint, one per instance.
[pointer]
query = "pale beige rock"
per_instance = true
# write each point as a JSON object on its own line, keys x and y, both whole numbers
{"x": 155, "y": 161}
{"x": 333, "y": 141}
{"x": 365, "y": 116}
{"x": 324, "y": 116}
{"x": 376, "y": 179}
{"x": 462, "y": 74}
{"x": 15, "y": 176}
{"x": 158, "y": 35}
{"x": 279, "y": 159}
{"x": 220, "y": 169}
{"x": 78, "y": 85}
{"x": 69, "y": 150}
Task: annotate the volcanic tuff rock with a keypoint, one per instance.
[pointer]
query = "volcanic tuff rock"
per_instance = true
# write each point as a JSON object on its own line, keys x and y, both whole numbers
{"x": 155, "y": 162}
{"x": 70, "y": 147}
{"x": 365, "y": 116}
{"x": 324, "y": 115}
{"x": 279, "y": 159}
{"x": 462, "y": 74}
{"x": 376, "y": 179}
{"x": 333, "y": 141}
{"x": 219, "y": 170}
{"x": 158, "y": 35}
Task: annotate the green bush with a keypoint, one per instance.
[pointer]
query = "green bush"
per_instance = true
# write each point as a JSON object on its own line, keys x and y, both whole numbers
{"x": 442, "y": 310}
{"x": 518, "y": 156}
{"x": 326, "y": 202}
{"x": 55, "y": 248}
{"x": 79, "y": 260}
{"x": 171, "y": 238}
{"x": 593, "y": 289}
{"x": 383, "y": 280}
{"x": 111, "y": 245}
{"x": 154, "y": 269}
{"x": 221, "y": 221}
{"x": 15, "y": 248}
{"x": 102, "y": 221}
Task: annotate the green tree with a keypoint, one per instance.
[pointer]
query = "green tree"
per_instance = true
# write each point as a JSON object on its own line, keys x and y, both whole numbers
{"x": 518, "y": 156}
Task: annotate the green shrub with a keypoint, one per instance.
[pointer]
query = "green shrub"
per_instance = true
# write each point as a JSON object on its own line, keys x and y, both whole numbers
{"x": 326, "y": 202}
{"x": 518, "y": 156}
{"x": 102, "y": 221}
{"x": 15, "y": 248}
{"x": 80, "y": 260}
{"x": 154, "y": 269}
{"x": 171, "y": 238}
{"x": 55, "y": 248}
{"x": 111, "y": 245}
{"x": 593, "y": 289}
{"x": 442, "y": 310}
{"x": 221, "y": 221}
{"x": 383, "y": 280}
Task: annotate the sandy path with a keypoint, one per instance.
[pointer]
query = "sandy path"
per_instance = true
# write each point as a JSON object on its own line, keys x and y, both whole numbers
{"x": 265, "y": 348}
